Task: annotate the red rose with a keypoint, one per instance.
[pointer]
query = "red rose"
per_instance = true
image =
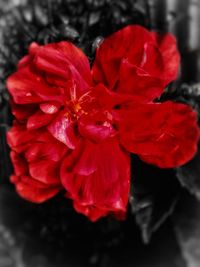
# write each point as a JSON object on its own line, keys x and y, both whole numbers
{"x": 74, "y": 128}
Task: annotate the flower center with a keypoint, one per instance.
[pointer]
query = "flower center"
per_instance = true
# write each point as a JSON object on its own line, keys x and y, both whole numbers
{"x": 96, "y": 121}
{"x": 78, "y": 106}
{"x": 74, "y": 109}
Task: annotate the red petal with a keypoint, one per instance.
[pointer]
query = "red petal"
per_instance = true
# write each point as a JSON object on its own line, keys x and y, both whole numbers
{"x": 38, "y": 120}
{"x": 126, "y": 43}
{"x": 23, "y": 85}
{"x": 171, "y": 57}
{"x": 63, "y": 129}
{"x": 24, "y": 62}
{"x": 45, "y": 171}
{"x": 18, "y": 137}
{"x": 23, "y": 112}
{"x": 28, "y": 86}
{"x": 96, "y": 127}
{"x": 33, "y": 190}
{"x": 167, "y": 136}
{"x": 108, "y": 100}
{"x": 153, "y": 62}
{"x": 108, "y": 171}
{"x": 86, "y": 165}
{"x": 138, "y": 83}
{"x": 19, "y": 163}
{"x": 50, "y": 108}
{"x": 75, "y": 56}
{"x": 64, "y": 61}
{"x": 51, "y": 149}
{"x": 94, "y": 213}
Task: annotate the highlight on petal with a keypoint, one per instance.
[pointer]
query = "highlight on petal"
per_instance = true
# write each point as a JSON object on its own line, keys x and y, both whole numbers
{"x": 163, "y": 134}
{"x": 63, "y": 129}
{"x": 98, "y": 180}
{"x": 50, "y": 108}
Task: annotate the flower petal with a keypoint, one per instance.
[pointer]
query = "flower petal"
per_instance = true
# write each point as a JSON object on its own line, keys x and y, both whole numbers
{"x": 23, "y": 112}
{"x": 167, "y": 136}
{"x": 50, "y": 149}
{"x": 26, "y": 87}
{"x": 19, "y": 138}
{"x": 171, "y": 57}
{"x": 98, "y": 185}
{"x": 45, "y": 171}
{"x": 19, "y": 163}
{"x": 50, "y": 108}
{"x": 64, "y": 61}
{"x": 96, "y": 127}
{"x": 125, "y": 43}
{"x": 65, "y": 52}
{"x": 63, "y": 129}
{"x": 36, "y": 158}
{"x": 138, "y": 83}
{"x": 94, "y": 213}
{"x": 33, "y": 190}
{"x": 137, "y": 61}
{"x": 38, "y": 120}
{"x": 77, "y": 58}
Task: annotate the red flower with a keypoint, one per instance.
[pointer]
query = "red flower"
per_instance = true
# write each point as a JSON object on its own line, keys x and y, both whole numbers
{"x": 74, "y": 128}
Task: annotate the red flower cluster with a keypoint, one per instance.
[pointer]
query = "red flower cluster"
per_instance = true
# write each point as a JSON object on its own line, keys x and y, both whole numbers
{"x": 75, "y": 128}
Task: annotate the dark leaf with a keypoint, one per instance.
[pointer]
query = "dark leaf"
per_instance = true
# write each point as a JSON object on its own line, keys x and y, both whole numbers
{"x": 51, "y": 235}
{"x": 189, "y": 175}
{"x": 154, "y": 195}
{"x": 187, "y": 228}
{"x": 68, "y": 32}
